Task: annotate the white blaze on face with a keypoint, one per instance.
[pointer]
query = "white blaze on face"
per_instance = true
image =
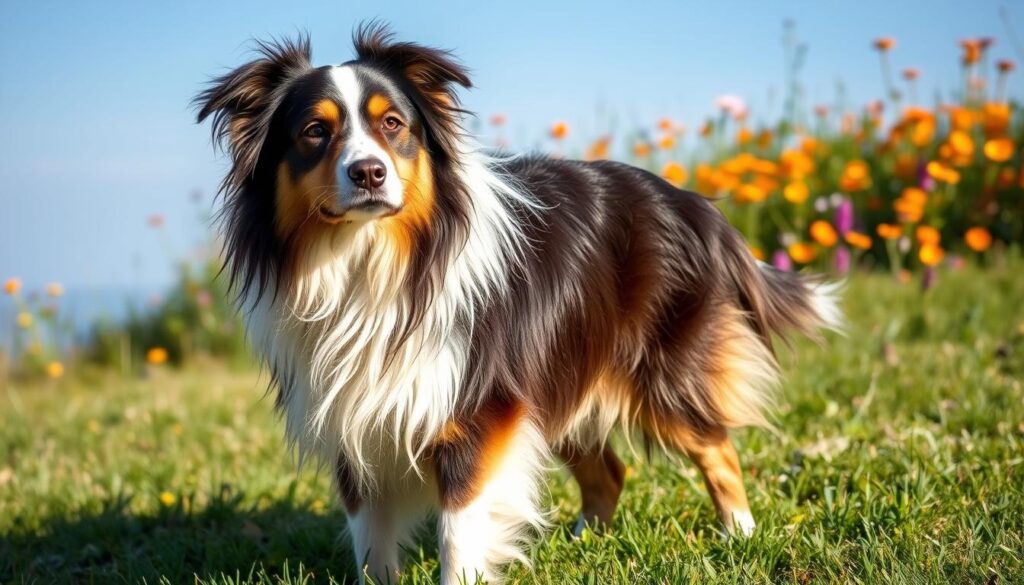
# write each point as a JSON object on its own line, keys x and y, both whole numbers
{"x": 359, "y": 145}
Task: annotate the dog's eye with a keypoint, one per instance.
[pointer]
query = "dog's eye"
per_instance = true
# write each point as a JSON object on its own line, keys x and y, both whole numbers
{"x": 391, "y": 123}
{"x": 315, "y": 131}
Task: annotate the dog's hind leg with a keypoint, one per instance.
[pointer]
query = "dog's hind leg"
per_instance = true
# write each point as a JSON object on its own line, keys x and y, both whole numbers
{"x": 713, "y": 453}
{"x": 600, "y": 475}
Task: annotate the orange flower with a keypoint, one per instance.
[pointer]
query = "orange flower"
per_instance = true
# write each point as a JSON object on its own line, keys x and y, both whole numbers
{"x": 796, "y": 192}
{"x": 961, "y": 118}
{"x": 54, "y": 290}
{"x": 926, "y": 234}
{"x": 809, "y": 145}
{"x": 855, "y": 176}
{"x": 972, "y": 50}
{"x": 996, "y": 118}
{"x": 750, "y": 193}
{"x": 796, "y": 164}
{"x": 498, "y": 120}
{"x": 757, "y": 253}
{"x": 641, "y": 149}
{"x": 943, "y": 172}
{"x": 665, "y": 124}
{"x": 667, "y": 142}
{"x": 824, "y": 233}
{"x": 675, "y": 173}
{"x": 931, "y": 254}
{"x": 802, "y": 252}
{"x": 744, "y": 136}
{"x": 599, "y": 149}
{"x": 961, "y": 142}
{"x": 978, "y": 239}
{"x": 707, "y": 128}
{"x": 889, "y": 231}
{"x": 884, "y": 44}
{"x": 1005, "y": 65}
{"x": 55, "y": 370}
{"x": 156, "y": 356}
{"x": 910, "y": 74}
{"x": 907, "y": 210}
{"x": 12, "y": 286}
{"x": 559, "y": 130}
{"x": 999, "y": 149}
{"x": 858, "y": 240}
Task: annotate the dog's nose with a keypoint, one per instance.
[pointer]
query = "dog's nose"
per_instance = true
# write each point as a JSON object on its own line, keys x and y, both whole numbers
{"x": 368, "y": 173}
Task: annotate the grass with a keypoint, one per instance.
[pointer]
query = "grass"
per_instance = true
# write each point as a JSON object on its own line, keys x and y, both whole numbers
{"x": 899, "y": 457}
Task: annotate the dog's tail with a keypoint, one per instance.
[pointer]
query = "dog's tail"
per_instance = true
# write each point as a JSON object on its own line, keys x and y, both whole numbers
{"x": 779, "y": 302}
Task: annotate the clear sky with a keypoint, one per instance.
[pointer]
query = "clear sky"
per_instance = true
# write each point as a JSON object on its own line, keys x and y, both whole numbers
{"x": 98, "y": 133}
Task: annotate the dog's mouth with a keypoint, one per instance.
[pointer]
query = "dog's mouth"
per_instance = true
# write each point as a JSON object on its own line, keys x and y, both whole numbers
{"x": 362, "y": 206}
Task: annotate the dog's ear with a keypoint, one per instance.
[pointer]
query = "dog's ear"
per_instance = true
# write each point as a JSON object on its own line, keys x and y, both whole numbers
{"x": 242, "y": 102}
{"x": 433, "y": 76}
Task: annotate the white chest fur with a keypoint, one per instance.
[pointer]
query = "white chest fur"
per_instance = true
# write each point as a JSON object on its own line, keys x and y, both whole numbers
{"x": 347, "y": 390}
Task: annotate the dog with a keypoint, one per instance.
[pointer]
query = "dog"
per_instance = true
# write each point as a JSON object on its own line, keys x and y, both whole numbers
{"x": 440, "y": 323}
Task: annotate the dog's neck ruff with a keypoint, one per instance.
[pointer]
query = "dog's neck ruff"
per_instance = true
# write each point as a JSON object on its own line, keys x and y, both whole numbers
{"x": 346, "y": 389}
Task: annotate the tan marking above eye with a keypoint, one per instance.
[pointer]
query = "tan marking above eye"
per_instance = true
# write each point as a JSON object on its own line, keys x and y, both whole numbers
{"x": 377, "y": 105}
{"x": 327, "y": 111}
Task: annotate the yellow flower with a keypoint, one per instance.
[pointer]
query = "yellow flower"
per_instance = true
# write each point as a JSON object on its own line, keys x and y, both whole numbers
{"x": 802, "y": 252}
{"x": 167, "y": 499}
{"x": 24, "y": 320}
{"x": 675, "y": 173}
{"x": 889, "y": 231}
{"x": 796, "y": 192}
{"x": 55, "y": 369}
{"x": 858, "y": 240}
{"x": 978, "y": 239}
{"x": 93, "y": 425}
{"x": 559, "y": 130}
{"x": 926, "y": 234}
{"x": 824, "y": 233}
{"x": 12, "y": 286}
{"x": 54, "y": 289}
{"x": 667, "y": 142}
{"x": 156, "y": 356}
{"x": 999, "y": 149}
{"x": 931, "y": 254}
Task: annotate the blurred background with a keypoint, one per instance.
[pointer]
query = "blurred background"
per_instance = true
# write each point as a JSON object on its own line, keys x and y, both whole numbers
{"x": 874, "y": 136}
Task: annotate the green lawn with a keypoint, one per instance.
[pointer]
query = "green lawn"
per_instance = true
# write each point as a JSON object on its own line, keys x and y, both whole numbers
{"x": 898, "y": 457}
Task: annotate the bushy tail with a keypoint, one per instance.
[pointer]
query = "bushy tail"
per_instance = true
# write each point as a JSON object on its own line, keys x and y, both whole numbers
{"x": 781, "y": 302}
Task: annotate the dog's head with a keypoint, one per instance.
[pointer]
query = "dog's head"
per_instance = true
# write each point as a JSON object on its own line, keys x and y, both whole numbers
{"x": 319, "y": 150}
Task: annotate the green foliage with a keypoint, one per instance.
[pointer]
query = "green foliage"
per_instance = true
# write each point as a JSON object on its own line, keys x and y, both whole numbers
{"x": 196, "y": 319}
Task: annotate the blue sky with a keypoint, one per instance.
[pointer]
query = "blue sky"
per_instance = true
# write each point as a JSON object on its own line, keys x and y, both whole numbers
{"x": 98, "y": 133}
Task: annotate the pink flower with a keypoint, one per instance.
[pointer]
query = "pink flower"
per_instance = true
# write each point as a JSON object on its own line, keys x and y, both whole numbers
{"x": 732, "y": 105}
{"x": 780, "y": 260}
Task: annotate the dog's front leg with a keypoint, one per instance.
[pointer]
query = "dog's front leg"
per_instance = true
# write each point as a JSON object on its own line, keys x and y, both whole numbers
{"x": 487, "y": 481}
{"x": 374, "y": 533}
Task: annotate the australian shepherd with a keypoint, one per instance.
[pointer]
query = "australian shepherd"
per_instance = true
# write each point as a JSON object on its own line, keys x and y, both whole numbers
{"x": 440, "y": 323}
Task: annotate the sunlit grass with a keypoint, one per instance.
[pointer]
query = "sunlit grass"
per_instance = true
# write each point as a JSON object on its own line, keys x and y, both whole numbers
{"x": 899, "y": 457}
